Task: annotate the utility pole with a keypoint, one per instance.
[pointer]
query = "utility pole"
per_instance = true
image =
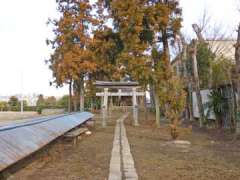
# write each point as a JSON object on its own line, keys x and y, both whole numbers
{"x": 196, "y": 82}
{"x": 198, "y": 32}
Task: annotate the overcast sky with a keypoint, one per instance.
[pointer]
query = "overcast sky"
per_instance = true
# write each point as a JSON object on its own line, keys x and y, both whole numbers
{"x": 23, "y": 32}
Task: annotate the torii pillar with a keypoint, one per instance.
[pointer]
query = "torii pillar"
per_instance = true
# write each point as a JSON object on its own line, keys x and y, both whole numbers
{"x": 105, "y": 108}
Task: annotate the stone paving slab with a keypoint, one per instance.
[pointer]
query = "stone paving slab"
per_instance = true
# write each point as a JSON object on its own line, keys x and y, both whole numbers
{"x": 121, "y": 164}
{"x": 129, "y": 170}
{"x": 115, "y": 163}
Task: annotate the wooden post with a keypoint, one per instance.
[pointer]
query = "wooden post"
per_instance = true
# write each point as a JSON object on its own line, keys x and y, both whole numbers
{"x": 104, "y": 108}
{"x": 135, "y": 108}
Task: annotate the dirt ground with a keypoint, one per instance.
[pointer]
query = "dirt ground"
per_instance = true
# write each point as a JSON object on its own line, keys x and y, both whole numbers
{"x": 88, "y": 160}
{"x": 211, "y": 155}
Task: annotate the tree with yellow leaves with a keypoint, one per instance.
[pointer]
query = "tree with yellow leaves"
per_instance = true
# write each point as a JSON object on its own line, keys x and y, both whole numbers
{"x": 145, "y": 28}
{"x": 106, "y": 46}
{"x": 72, "y": 60}
{"x": 137, "y": 45}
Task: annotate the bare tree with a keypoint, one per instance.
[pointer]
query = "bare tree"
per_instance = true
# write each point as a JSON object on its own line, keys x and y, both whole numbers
{"x": 198, "y": 32}
{"x": 213, "y": 32}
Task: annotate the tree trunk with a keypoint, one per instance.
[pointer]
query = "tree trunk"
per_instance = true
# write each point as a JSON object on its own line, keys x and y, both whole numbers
{"x": 232, "y": 104}
{"x": 196, "y": 82}
{"x": 234, "y": 107}
{"x": 184, "y": 59}
{"x": 70, "y": 97}
{"x": 145, "y": 106}
{"x": 75, "y": 106}
{"x": 75, "y": 96}
{"x": 81, "y": 94}
{"x": 157, "y": 108}
{"x": 237, "y": 59}
{"x": 198, "y": 32}
{"x": 187, "y": 79}
{"x": 166, "y": 51}
{"x": 92, "y": 104}
{"x": 151, "y": 92}
{"x": 135, "y": 107}
{"x": 189, "y": 102}
{"x": 167, "y": 75}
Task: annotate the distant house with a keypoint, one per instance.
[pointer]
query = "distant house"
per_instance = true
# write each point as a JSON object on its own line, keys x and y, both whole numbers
{"x": 223, "y": 48}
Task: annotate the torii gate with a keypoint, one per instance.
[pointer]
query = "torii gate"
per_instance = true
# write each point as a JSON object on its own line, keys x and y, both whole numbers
{"x": 106, "y": 85}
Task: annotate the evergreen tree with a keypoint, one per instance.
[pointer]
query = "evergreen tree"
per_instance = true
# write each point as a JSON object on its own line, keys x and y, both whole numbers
{"x": 72, "y": 60}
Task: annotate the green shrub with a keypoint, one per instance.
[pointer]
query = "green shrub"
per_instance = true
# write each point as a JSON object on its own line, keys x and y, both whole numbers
{"x": 39, "y": 109}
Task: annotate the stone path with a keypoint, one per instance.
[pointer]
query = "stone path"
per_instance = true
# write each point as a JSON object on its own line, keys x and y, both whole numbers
{"x": 121, "y": 164}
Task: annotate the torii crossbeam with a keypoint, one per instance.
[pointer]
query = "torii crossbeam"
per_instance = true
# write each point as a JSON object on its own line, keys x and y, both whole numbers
{"x": 106, "y": 85}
